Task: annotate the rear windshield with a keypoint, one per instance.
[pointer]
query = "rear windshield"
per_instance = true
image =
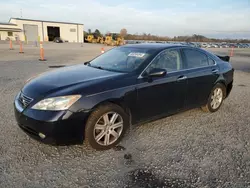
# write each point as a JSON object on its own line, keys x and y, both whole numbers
{"x": 122, "y": 59}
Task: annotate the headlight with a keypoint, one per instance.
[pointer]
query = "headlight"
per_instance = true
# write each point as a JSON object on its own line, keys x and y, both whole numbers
{"x": 56, "y": 103}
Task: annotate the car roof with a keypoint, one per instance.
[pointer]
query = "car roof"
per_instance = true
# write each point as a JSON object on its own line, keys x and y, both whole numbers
{"x": 158, "y": 46}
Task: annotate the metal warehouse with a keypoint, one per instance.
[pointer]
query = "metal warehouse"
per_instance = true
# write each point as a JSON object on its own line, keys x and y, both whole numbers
{"x": 40, "y": 30}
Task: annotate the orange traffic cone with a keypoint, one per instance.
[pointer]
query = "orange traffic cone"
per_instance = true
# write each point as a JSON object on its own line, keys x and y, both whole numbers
{"x": 21, "y": 48}
{"x": 232, "y": 52}
{"x": 11, "y": 47}
{"x": 102, "y": 50}
{"x": 41, "y": 52}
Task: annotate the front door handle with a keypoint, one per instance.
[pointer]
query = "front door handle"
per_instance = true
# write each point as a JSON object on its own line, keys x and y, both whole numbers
{"x": 215, "y": 71}
{"x": 181, "y": 78}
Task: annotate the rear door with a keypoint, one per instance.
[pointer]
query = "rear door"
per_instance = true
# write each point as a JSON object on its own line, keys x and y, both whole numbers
{"x": 201, "y": 72}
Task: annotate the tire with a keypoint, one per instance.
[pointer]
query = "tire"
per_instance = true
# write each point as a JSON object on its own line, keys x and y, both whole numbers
{"x": 97, "y": 126}
{"x": 210, "y": 106}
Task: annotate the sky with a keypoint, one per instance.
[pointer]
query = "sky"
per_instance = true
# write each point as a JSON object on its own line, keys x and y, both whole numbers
{"x": 212, "y": 18}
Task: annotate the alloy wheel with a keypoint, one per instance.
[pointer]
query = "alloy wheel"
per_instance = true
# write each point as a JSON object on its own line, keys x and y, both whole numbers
{"x": 108, "y": 128}
{"x": 216, "y": 98}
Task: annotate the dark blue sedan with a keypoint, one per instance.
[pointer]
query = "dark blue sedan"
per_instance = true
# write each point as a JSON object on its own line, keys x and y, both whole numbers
{"x": 98, "y": 100}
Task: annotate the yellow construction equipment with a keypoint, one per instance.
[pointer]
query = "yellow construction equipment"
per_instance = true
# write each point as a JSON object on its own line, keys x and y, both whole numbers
{"x": 100, "y": 40}
{"x": 114, "y": 40}
{"x": 109, "y": 41}
{"x": 94, "y": 39}
{"x": 120, "y": 41}
{"x": 90, "y": 39}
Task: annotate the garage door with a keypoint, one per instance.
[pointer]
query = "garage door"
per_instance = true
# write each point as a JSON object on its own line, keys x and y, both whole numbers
{"x": 31, "y": 32}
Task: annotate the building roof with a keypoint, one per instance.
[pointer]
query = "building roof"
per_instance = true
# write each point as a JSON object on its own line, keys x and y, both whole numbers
{"x": 46, "y": 21}
{"x": 4, "y": 23}
{"x": 10, "y": 29}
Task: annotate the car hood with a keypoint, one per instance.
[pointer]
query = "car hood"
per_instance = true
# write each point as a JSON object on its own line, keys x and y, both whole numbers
{"x": 66, "y": 77}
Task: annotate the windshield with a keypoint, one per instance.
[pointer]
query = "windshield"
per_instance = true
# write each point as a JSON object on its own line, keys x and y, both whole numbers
{"x": 123, "y": 59}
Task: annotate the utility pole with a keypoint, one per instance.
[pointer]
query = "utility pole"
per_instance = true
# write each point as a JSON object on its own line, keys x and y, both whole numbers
{"x": 21, "y": 12}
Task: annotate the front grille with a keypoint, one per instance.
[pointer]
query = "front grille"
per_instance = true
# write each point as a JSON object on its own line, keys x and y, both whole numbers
{"x": 24, "y": 100}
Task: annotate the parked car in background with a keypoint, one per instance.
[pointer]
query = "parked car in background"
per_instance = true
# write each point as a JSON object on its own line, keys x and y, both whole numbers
{"x": 214, "y": 46}
{"x": 58, "y": 40}
{"x": 243, "y": 45}
{"x": 233, "y": 46}
{"x": 198, "y": 45}
{"x": 191, "y": 44}
{"x": 204, "y": 45}
{"x": 209, "y": 45}
{"x": 98, "y": 101}
{"x": 225, "y": 46}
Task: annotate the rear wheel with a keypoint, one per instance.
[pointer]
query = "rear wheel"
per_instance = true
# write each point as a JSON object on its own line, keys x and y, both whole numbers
{"x": 215, "y": 99}
{"x": 106, "y": 126}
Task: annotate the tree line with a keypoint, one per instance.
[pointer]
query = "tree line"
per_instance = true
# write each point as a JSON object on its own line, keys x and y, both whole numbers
{"x": 193, "y": 38}
{"x": 145, "y": 36}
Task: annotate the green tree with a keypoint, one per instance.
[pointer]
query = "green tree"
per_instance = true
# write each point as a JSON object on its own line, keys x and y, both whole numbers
{"x": 98, "y": 33}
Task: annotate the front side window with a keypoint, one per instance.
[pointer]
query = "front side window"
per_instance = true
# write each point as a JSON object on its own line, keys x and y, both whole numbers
{"x": 169, "y": 59}
{"x": 195, "y": 59}
{"x": 122, "y": 59}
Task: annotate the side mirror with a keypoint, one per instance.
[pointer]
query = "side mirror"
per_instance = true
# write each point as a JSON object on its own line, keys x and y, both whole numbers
{"x": 157, "y": 72}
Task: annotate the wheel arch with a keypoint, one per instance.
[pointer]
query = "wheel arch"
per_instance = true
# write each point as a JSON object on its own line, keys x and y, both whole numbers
{"x": 222, "y": 82}
{"x": 119, "y": 102}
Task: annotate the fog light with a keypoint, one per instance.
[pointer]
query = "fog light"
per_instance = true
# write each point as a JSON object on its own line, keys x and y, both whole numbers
{"x": 42, "y": 135}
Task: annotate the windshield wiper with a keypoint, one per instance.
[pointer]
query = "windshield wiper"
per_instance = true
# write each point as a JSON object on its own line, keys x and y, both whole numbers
{"x": 98, "y": 67}
{"x": 88, "y": 63}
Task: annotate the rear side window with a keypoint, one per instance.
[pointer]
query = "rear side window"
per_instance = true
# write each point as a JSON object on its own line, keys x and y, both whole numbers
{"x": 211, "y": 61}
{"x": 195, "y": 59}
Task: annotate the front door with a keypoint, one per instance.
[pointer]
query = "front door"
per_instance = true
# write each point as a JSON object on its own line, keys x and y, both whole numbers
{"x": 162, "y": 95}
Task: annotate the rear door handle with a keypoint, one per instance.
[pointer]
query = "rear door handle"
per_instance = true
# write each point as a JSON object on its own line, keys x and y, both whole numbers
{"x": 215, "y": 71}
{"x": 181, "y": 78}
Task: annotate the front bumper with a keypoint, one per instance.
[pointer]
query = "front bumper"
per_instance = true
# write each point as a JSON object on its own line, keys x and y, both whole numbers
{"x": 58, "y": 127}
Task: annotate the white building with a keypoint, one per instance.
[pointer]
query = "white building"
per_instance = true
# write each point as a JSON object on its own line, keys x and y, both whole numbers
{"x": 9, "y": 30}
{"x": 40, "y": 30}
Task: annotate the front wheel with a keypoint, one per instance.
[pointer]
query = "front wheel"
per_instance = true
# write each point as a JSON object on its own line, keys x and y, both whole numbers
{"x": 106, "y": 126}
{"x": 215, "y": 99}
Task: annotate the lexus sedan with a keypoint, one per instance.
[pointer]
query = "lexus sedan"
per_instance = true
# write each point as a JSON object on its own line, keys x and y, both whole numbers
{"x": 97, "y": 101}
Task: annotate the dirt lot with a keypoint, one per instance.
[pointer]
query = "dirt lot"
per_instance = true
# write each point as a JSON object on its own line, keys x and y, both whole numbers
{"x": 190, "y": 149}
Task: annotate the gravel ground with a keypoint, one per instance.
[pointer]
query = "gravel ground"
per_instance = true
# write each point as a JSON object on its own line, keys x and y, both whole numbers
{"x": 190, "y": 149}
